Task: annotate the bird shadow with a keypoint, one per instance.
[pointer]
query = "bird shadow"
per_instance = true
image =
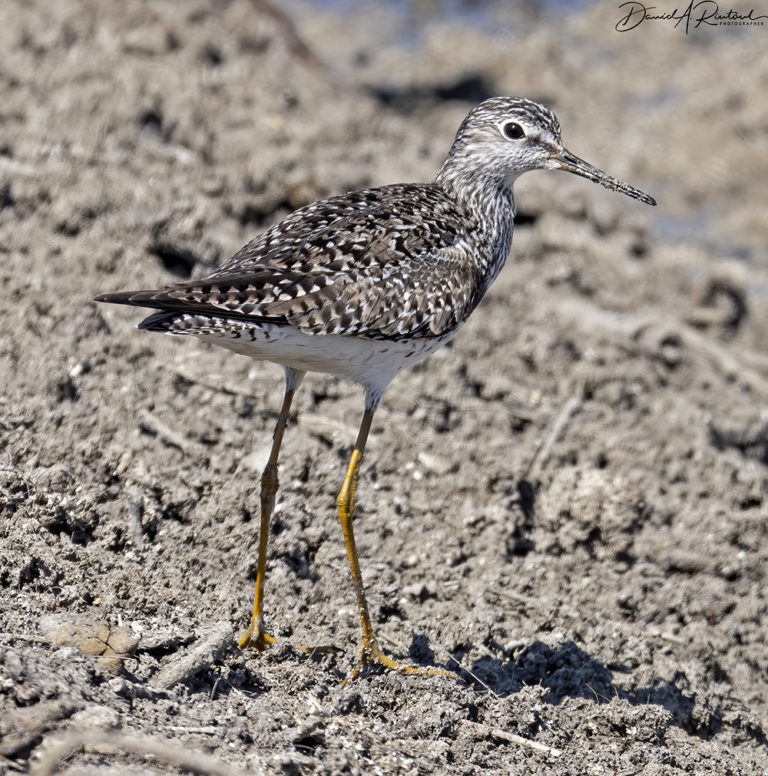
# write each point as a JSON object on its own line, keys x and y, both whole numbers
{"x": 567, "y": 671}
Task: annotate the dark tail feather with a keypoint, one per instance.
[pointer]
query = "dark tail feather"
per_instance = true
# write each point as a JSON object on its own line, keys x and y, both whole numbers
{"x": 161, "y": 322}
{"x": 170, "y": 307}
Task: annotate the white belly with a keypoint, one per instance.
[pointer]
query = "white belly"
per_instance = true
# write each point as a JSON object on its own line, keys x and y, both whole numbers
{"x": 372, "y": 363}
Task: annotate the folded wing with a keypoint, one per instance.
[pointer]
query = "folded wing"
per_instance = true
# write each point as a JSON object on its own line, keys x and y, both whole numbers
{"x": 365, "y": 264}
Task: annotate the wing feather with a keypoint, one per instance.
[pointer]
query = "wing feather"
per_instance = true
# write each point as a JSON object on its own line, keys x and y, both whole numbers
{"x": 392, "y": 263}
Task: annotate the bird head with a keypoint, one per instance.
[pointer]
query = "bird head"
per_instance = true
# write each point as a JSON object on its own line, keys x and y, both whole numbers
{"x": 507, "y": 136}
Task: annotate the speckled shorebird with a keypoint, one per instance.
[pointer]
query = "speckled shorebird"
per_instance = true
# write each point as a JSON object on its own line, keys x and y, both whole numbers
{"x": 365, "y": 284}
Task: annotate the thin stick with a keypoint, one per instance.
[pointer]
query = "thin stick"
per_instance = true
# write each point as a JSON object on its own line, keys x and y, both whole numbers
{"x": 173, "y": 754}
{"x": 392, "y": 643}
{"x": 514, "y": 738}
{"x": 217, "y": 640}
{"x": 647, "y": 331}
{"x": 542, "y": 451}
{"x": 211, "y": 384}
{"x": 286, "y": 29}
{"x": 473, "y": 675}
{"x": 23, "y": 637}
{"x": 165, "y": 432}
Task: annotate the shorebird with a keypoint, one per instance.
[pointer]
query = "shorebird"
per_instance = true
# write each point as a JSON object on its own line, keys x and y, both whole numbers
{"x": 364, "y": 284}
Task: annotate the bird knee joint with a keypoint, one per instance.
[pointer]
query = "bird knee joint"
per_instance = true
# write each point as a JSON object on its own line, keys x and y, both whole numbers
{"x": 269, "y": 481}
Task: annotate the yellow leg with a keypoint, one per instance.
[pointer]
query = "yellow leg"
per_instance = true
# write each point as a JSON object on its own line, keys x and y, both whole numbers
{"x": 368, "y": 652}
{"x": 256, "y": 636}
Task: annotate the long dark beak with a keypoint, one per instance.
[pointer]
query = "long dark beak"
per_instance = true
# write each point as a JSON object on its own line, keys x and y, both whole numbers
{"x": 572, "y": 163}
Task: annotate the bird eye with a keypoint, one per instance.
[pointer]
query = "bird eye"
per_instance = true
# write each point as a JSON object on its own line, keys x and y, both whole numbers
{"x": 513, "y": 131}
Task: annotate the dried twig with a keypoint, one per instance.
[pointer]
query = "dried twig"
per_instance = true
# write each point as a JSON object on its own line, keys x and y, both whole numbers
{"x": 286, "y": 30}
{"x": 217, "y": 385}
{"x": 23, "y": 637}
{"x": 136, "y": 510}
{"x": 649, "y": 331}
{"x": 473, "y": 675}
{"x": 205, "y": 652}
{"x": 207, "y": 730}
{"x": 728, "y": 360}
{"x": 156, "y": 426}
{"x": 514, "y": 738}
{"x": 24, "y": 726}
{"x": 541, "y": 453}
{"x": 11, "y": 765}
{"x": 324, "y": 428}
{"x": 111, "y": 742}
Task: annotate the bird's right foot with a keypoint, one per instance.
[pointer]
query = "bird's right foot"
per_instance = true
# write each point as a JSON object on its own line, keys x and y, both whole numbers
{"x": 370, "y": 655}
{"x": 257, "y": 638}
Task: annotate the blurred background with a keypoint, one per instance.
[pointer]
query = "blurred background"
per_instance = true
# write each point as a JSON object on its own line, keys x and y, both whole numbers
{"x": 570, "y": 499}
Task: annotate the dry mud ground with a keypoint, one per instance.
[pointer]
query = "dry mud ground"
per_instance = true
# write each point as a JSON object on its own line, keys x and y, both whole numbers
{"x": 569, "y": 502}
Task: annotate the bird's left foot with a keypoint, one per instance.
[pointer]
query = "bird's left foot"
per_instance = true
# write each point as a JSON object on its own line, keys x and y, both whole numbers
{"x": 256, "y": 637}
{"x": 370, "y": 654}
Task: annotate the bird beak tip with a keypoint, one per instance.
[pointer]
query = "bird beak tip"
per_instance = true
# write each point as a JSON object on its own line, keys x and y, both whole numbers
{"x": 572, "y": 163}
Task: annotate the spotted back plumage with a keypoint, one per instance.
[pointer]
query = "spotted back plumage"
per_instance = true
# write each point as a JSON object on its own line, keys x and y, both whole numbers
{"x": 392, "y": 263}
{"x": 397, "y": 262}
